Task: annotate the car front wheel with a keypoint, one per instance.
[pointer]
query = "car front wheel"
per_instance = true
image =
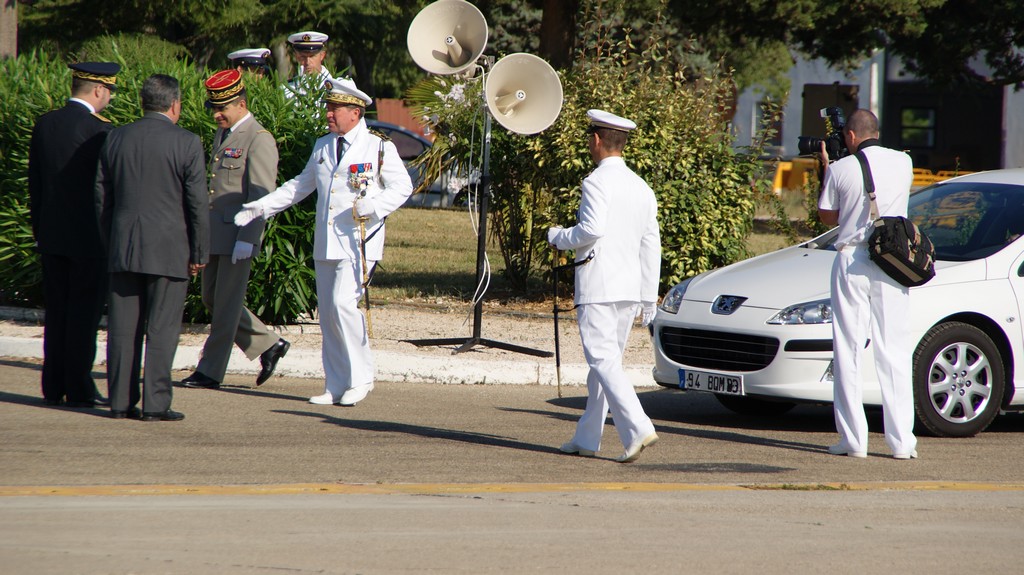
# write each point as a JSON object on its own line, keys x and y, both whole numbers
{"x": 958, "y": 380}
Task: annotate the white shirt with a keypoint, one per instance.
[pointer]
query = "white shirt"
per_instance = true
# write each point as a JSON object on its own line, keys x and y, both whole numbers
{"x": 239, "y": 122}
{"x": 843, "y": 190}
{"x": 84, "y": 103}
{"x": 298, "y": 84}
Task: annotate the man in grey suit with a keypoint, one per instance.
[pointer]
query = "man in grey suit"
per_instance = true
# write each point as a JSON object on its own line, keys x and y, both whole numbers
{"x": 154, "y": 215}
{"x": 243, "y": 168}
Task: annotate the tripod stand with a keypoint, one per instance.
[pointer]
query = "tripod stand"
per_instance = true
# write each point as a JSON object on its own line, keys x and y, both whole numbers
{"x": 481, "y": 248}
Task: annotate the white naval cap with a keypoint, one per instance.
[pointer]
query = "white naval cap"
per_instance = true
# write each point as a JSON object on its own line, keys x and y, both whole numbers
{"x": 344, "y": 91}
{"x": 255, "y": 53}
{"x": 308, "y": 41}
{"x": 602, "y": 119}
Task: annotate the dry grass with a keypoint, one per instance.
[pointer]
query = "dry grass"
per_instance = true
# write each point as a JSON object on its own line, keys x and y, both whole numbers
{"x": 431, "y": 256}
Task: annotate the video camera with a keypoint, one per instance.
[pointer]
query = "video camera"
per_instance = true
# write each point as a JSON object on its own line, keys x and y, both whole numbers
{"x": 835, "y": 145}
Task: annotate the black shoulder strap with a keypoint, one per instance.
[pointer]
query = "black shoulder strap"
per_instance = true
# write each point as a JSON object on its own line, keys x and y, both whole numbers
{"x": 869, "y": 182}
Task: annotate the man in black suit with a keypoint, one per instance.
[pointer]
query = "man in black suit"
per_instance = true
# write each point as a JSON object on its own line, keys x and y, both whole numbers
{"x": 61, "y": 171}
{"x": 154, "y": 213}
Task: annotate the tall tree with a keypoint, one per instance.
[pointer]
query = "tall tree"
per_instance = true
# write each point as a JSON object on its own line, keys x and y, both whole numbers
{"x": 8, "y": 28}
{"x": 367, "y": 36}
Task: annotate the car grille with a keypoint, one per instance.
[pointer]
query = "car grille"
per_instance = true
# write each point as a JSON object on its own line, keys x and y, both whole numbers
{"x": 718, "y": 350}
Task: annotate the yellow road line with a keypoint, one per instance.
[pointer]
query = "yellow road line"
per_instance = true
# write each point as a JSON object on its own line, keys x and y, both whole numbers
{"x": 478, "y": 488}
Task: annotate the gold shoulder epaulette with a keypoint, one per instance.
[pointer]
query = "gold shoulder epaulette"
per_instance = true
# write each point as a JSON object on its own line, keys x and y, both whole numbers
{"x": 379, "y": 134}
{"x": 101, "y": 118}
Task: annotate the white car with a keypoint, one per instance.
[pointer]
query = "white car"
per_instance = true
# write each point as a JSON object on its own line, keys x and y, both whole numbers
{"x": 758, "y": 333}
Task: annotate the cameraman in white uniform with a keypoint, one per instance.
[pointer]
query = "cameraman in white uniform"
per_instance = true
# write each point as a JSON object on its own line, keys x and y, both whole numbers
{"x": 617, "y": 222}
{"x": 867, "y": 304}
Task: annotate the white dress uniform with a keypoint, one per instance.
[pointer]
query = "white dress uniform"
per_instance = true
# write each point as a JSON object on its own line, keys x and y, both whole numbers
{"x": 348, "y": 362}
{"x": 301, "y": 84}
{"x": 867, "y": 304}
{"x": 617, "y": 222}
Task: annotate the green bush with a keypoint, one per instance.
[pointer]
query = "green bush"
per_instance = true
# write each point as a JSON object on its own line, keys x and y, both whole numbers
{"x": 131, "y": 50}
{"x": 29, "y": 86}
{"x": 283, "y": 285}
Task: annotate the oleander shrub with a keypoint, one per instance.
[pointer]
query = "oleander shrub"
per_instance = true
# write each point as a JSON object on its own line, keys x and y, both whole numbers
{"x": 282, "y": 287}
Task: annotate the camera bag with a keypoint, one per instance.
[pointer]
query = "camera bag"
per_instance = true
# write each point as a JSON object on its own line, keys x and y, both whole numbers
{"x": 896, "y": 244}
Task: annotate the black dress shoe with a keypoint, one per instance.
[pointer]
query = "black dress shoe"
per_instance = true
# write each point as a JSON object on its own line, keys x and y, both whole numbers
{"x": 52, "y": 401}
{"x": 89, "y": 403}
{"x": 269, "y": 359}
{"x": 101, "y": 401}
{"x": 200, "y": 381}
{"x": 132, "y": 413}
{"x": 168, "y": 415}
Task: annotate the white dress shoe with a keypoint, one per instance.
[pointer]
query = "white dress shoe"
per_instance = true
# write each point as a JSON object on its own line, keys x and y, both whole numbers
{"x": 911, "y": 455}
{"x": 840, "y": 449}
{"x": 323, "y": 399}
{"x": 573, "y": 449}
{"x": 355, "y": 394}
{"x": 634, "y": 450}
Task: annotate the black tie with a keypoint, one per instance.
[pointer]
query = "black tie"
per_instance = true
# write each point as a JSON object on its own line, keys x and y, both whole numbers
{"x": 223, "y": 136}
{"x": 341, "y": 149}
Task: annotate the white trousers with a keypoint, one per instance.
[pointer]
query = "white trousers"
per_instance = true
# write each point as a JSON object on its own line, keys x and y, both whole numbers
{"x": 346, "y": 354}
{"x": 868, "y": 304}
{"x": 604, "y": 329}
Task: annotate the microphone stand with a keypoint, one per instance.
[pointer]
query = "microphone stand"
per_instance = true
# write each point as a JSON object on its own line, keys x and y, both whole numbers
{"x": 481, "y": 248}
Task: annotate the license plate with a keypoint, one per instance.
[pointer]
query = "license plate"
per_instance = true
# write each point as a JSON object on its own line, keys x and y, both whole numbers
{"x": 695, "y": 380}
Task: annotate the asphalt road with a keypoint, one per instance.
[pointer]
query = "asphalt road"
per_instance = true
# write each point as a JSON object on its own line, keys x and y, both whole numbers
{"x": 428, "y": 478}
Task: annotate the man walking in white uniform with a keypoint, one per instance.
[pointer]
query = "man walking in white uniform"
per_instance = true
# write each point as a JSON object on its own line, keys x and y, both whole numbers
{"x": 867, "y": 304}
{"x": 358, "y": 175}
{"x": 617, "y": 223}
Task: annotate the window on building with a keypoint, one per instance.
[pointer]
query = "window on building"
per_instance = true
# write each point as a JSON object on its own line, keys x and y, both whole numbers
{"x": 917, "y": 128}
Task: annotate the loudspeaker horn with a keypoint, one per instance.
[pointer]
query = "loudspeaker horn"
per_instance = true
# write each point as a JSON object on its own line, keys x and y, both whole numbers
{"x": 447, "y": 37}
{"x": 523, "y": 93}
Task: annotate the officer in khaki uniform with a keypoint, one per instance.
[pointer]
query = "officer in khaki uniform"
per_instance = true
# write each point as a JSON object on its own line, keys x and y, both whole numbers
{"x": 243, "y": 168}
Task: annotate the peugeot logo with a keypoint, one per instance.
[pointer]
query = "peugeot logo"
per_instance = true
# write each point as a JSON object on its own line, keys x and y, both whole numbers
{"x": 726, "y": 304}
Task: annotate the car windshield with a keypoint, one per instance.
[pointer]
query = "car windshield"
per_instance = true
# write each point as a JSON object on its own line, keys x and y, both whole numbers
{"x": 969, "y": 220}
{"x": 964, "y": 220}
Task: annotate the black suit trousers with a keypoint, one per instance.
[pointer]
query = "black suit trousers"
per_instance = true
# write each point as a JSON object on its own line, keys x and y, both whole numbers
{"x": 74, "y": 290}
{"x": 144, "y": 309}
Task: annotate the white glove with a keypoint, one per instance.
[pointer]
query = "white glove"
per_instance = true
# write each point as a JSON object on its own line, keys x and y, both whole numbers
{"x": 243, "y": 250}
{"x": 551, "y": 235}
{"x": 248, "y": 213}
{"x": 648, "y": 310}
{"x": 364, "y": 207}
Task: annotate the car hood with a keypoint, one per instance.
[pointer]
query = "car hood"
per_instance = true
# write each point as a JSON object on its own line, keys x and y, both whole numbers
{"x": 800, "y": 274}
{"x": 773, "y": 280}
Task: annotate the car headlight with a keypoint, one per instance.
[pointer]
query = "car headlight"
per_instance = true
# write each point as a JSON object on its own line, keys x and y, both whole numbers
{"x": 812, "y": 312}
{"x": 674, "y": 298}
